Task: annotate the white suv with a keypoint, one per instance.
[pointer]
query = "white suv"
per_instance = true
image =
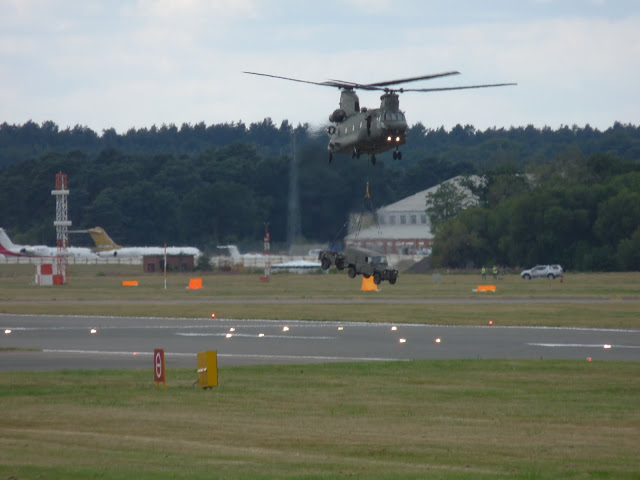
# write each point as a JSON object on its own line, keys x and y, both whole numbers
{"x": 541, "y": 271}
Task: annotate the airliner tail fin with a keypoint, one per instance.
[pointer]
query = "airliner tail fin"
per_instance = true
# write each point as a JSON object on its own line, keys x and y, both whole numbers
{"x": 5, "y": 241}
{"x": 102, "y": 240}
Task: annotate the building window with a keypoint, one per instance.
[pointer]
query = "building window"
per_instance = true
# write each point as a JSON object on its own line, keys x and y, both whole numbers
{"x": 403, "y": 219}
{"x": 414, "y": 219}
{"x": 392, "y": 219}
{"x": 423, "y": 219}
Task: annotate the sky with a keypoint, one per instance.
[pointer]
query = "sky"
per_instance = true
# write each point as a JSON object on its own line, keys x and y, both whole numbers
{"x": 134, "y": 64}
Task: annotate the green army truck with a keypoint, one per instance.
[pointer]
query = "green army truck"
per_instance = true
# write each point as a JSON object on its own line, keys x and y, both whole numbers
{"x": 359, "y": 261}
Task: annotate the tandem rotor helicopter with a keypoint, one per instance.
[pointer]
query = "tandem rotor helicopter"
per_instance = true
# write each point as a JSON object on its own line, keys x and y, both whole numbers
{"x": 359, "y": 130}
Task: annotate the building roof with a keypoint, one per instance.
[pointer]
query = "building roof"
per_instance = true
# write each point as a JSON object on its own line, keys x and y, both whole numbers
{"x": 418, "y": 202}
{"x": 413, "y": 204}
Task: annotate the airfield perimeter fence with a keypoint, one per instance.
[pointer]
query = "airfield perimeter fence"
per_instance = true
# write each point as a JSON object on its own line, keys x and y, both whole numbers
{"x": 221, "y": 262}
{"x": 72, "y": 260}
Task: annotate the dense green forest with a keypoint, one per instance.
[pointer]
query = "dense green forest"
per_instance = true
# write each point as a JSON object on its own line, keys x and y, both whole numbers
{"x": 580, "y": 212}
{"x": 209, "y": 185}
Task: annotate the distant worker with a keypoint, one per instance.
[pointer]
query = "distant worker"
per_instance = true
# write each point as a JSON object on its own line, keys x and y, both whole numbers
{"x": 484, "y": 272}
{"x": 495, "y": 272}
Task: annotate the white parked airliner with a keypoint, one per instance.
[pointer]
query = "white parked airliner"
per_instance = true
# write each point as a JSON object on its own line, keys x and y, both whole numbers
{"x": 105, "y": 247}
{"x": 10, "y": 249}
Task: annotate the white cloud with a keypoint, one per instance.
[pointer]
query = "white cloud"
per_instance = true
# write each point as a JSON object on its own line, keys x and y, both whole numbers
{"x": 125, "y": 64}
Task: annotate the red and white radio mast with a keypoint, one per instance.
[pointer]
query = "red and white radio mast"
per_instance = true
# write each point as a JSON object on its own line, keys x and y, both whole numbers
{"x": 62, "y": 224}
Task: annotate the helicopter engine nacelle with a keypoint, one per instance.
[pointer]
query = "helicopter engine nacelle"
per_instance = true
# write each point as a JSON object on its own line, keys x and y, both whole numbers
{"x": 338, "y": 116}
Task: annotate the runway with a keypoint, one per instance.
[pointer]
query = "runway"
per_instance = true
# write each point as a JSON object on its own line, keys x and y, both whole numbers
{"x": 48, "y": 342}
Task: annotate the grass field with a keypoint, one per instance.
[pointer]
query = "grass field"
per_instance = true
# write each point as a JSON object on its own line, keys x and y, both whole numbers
{"x": 485, "y": 419}
{"x": 611, "y": 300}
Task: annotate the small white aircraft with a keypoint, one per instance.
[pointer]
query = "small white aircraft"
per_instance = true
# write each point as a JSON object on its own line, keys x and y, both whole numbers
{"x": 10, "y": 249}
{"x": 105, "y": 247}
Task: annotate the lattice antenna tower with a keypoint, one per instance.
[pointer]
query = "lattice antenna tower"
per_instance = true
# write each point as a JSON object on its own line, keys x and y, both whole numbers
{"x": 267, "y": 252}
{"x": 62, "y": 224}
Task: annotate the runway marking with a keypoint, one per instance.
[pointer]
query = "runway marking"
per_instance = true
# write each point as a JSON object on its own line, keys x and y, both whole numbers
{"x": 227, "y": 355}
{"x": 580, "y": 345}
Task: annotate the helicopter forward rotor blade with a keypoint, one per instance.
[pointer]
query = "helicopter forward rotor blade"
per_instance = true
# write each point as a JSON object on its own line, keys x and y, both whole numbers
{"x": 442, "y": 89}
{"x": 326, "y": 84}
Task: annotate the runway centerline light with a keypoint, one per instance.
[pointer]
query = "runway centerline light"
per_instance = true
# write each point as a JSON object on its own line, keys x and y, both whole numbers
{"x": 93, "y": 330}
{"x": 229, "y": 335}
{"x": 403, "y": 340}
{"x": 606, "y": 346}
{"x": 261, "y": 335}
{"x": 7, "y": 331}
{"x": 438, "y": 340}
{"x": 394, "y": 328}
{"x": 232, "y": 329}
{"x": 340, "y": 328}
{"x": 285, "y": 329}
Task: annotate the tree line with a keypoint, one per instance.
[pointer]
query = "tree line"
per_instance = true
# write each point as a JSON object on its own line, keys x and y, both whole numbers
{"x": 483, "y": 149}
{"x": 209, "y": 185}
{"x": 580, "y": 212}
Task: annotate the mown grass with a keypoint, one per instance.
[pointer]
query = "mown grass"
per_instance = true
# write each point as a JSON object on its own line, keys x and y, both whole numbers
{"x": 96, "y": 282}
{"x": 587, "y": 300}
{"x": 423, "y": 419}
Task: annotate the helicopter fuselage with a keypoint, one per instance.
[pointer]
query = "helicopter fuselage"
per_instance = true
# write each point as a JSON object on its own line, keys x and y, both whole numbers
{"x": 371, "y": 131}
{"x": 367, "y": 131}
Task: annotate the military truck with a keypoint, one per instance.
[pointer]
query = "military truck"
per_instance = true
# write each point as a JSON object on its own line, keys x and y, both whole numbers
{"x": 359, "y": 261}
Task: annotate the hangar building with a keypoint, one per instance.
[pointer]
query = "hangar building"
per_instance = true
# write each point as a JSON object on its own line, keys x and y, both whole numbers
{"x": 403, "y": 227}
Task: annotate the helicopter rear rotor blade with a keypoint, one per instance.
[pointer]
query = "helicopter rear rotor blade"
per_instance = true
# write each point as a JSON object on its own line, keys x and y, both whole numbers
{"x": 384, "y": 85}
{"x": 465, "y": 87}
{"x": 410, "y": 79}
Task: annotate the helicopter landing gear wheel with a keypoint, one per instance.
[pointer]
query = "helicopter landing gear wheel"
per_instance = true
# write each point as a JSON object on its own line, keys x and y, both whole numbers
{"x": 397, "y": 154}
{"x": 355, "y": 153}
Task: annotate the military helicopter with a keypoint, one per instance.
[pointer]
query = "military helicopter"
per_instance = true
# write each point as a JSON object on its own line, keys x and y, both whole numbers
{"x": 359, "y": 130}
